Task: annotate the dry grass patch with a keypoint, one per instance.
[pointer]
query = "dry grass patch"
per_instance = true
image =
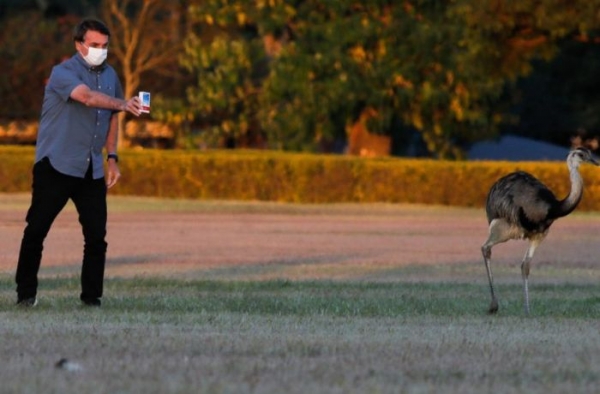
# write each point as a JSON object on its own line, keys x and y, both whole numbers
{"x": 171, "y": 336}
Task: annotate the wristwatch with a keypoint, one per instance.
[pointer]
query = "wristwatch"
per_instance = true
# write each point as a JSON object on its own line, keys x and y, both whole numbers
{"x": 112, "y": 156}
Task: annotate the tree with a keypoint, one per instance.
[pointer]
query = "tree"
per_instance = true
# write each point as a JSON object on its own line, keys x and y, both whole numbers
{"x": 553, "y": 94}
{"x": 145, "y": 39}
{"x": 27, "y": 63}
{"x": 440, "y": 67}
{"x": 225, "y": 97}
{"x": 343, "y": 59}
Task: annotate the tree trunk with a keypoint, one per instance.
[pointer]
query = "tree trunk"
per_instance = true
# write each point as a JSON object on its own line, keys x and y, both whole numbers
{"x": 361, "y": 142}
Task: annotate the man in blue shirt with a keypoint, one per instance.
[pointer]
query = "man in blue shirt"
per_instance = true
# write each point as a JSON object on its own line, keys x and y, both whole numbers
{"x": 79, "y": 120}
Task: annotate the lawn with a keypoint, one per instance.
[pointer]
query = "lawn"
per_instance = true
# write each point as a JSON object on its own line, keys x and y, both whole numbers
{"x": 279, "y": 309}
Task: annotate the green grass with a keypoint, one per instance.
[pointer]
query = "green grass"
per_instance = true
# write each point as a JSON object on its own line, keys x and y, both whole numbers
{"x": 413, "y": 329}
{"x": 322, "y": 298}
{"x": 161, "y": 335}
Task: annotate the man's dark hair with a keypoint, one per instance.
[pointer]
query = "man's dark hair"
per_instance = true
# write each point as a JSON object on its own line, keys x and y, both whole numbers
{"x": 89, "y": 24}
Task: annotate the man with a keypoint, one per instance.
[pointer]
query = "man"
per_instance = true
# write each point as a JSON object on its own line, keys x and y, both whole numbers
{"x": 79, "y": 118}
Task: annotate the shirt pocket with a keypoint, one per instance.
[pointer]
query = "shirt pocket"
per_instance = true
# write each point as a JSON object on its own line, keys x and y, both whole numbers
{"x": 106, "y": 85}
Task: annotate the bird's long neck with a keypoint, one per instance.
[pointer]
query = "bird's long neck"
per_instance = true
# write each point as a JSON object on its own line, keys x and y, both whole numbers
{"x": 570, "y": 202}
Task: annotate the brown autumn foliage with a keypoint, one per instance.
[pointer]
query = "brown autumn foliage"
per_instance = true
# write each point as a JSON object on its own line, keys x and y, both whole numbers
{"x": 30, "y": 45}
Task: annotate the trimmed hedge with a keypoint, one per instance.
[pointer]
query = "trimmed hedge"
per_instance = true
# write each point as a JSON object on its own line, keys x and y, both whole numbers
{"x": 308, "y": 178}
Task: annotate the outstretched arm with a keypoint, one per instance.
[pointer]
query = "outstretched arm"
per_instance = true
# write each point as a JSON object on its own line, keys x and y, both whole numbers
{"x": 93, "y": 98}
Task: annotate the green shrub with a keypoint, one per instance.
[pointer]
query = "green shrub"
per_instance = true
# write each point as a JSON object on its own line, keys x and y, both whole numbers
{"x": 308, "y": 178}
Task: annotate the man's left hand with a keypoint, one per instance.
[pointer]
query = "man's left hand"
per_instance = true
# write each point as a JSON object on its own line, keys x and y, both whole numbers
{"x": 113, "y": 174}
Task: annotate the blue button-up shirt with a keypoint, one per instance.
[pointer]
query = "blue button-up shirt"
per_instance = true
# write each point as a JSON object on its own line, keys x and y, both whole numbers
{"x": 70, "y": 133}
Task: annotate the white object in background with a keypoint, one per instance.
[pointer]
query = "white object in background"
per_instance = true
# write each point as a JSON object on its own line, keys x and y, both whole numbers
{"x": 145, "y": 99}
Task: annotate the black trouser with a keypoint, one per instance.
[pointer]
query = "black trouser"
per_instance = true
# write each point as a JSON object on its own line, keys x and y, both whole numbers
{"x": 51, "y": 191}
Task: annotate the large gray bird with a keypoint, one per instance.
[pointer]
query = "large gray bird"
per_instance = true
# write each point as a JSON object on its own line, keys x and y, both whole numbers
{"x": 519, "y": 206}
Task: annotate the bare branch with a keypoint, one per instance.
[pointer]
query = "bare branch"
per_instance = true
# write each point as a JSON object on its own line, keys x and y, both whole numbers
{"x": 141, "y": 40}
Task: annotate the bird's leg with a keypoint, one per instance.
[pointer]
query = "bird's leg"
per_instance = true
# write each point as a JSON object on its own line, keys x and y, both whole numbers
{"x": 499, "y": 232}
{"x": 525, "y": 275}
{"x": 486, "y": 250}
{"x": 533, "y": 244}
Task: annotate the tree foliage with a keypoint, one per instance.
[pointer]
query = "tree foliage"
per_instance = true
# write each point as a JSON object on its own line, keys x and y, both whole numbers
{"x": 226, "y": 97}
{"x": 30, "y": 45}
{"x": 298, "y": 75}
{"x": 439, "y": 67}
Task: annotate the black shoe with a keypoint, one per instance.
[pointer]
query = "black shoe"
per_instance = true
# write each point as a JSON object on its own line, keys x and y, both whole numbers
{"x": 27, "y": 302}
{"x": 92, "y": 302}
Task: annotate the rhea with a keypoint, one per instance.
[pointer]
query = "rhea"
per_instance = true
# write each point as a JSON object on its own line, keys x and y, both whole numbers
{"x": 519, "y": 206}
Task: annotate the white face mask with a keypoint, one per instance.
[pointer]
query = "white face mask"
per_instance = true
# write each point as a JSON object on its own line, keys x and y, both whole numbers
{"x": 95, "y": 56}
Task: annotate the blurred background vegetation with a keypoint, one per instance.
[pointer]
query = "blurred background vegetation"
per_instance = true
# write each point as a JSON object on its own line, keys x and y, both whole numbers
{"x": 372, "y": 77}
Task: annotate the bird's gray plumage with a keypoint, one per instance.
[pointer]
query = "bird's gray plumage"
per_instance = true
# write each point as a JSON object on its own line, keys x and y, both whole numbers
{"x": 520, "y": 206}
{"x": 522, "y": 201}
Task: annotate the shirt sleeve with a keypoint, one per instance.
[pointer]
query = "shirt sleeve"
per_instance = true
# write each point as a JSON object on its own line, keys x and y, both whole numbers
{"x": 63, "y": 81}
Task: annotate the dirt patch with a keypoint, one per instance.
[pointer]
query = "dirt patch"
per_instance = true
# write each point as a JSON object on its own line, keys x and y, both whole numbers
{"x": 374, "y": 242}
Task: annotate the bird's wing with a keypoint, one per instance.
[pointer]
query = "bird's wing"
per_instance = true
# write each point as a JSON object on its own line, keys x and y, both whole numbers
{"x": 520, "y": 199}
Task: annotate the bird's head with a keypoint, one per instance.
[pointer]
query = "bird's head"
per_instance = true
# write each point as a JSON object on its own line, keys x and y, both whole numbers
{"x": 580, "y": 155}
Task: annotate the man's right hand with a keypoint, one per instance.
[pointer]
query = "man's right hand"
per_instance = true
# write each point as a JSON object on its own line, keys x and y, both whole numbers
{"x": 133, "y": 106}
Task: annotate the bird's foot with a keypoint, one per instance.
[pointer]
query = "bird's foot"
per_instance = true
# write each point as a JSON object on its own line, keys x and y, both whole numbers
{"x": 493, "y": 307}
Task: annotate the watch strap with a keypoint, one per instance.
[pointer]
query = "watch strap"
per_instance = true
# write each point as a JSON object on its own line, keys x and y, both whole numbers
{"x": 112, "y": 156}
